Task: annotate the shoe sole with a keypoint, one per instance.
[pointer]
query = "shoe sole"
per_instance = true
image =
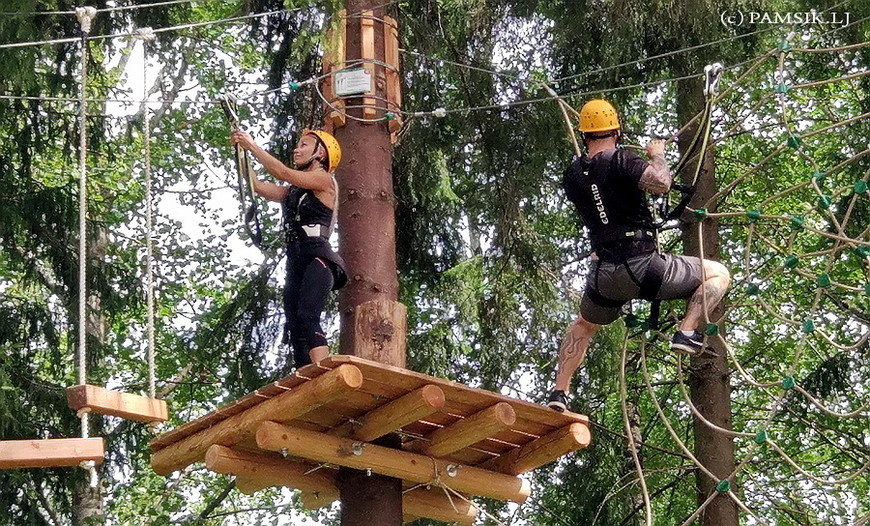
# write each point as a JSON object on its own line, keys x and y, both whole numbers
{"x": 686, "y": 348}
{"x": 557, "y": 406}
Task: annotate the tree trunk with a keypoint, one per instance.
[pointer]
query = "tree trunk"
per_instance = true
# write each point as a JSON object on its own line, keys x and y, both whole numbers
{"x": 709, "y": 377}
{"x": 368, "y": 246}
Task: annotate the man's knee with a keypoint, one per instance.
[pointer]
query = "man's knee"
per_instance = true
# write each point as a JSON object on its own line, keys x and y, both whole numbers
{"x": 714, "y": 269}
{"x": 585, "y": 327}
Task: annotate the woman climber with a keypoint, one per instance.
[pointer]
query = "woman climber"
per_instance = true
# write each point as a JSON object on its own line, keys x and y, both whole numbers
{"x": 309, "y": 206}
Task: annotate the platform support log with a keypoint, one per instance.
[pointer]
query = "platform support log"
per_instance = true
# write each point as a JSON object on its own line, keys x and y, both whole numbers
{"x": 399, "y": 413}
{"x": 412, "y": 467}
{"x": 289, "y": 405}
{"x": 466, "y": 432}
{"x": 542, "y": 450}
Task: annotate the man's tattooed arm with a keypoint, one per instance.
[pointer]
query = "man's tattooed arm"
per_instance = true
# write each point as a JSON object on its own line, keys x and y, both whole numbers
{"x": 656, "y": 179}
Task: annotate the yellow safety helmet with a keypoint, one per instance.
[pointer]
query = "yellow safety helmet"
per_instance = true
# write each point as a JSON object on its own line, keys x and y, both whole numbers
{"x": 598, "y": 115}
{"x": 333, "y": 150}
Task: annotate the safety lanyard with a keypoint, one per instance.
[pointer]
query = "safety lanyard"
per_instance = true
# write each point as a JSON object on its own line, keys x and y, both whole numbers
{"x": 245, "y": 175}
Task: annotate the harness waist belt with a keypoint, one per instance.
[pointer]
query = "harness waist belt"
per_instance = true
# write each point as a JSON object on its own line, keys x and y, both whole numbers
{"x": 308, "y": 231}
{"x": 619, "y": 250}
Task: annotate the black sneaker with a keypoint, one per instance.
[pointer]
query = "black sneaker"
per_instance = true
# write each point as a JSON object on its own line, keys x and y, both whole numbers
{"x": 693, "y": 344}
{"x": 558, "y": 401}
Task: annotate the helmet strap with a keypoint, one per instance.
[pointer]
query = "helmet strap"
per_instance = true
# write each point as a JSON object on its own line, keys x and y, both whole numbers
{"x": 304, "y": 166}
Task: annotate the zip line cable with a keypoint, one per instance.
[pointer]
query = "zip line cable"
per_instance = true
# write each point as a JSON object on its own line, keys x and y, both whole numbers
{"x": 102, "y": 9}
{"x": 158, "y": 30}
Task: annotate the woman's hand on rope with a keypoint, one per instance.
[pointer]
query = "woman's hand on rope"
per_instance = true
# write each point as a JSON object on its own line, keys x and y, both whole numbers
{"x": 242, "y": 139}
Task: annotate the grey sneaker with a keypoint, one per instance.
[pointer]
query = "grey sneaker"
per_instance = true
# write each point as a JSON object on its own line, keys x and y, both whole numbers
{"x": 558, "y": 401}
{"x": 693, "y": 344}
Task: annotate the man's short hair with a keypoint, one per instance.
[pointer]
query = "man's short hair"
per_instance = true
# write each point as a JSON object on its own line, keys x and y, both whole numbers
{"x": 594, "y": 136}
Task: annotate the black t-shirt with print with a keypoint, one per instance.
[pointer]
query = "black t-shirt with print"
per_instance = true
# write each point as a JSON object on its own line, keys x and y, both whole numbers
{"x": 604, "y": 188}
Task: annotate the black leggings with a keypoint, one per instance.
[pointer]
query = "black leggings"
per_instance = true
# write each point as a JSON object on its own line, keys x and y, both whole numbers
{"x": 309, "y": 281}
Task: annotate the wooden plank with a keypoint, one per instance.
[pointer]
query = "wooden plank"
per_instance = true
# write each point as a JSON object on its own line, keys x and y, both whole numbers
{"x": 313, "y": 501}
{"x": 307, "y": 397}
{"x": 391, "y": 57}
{"x": 367, "y": 49}
{"x": 320, "y": 447}
{"x": 380, "y": 329}
{"x": 466, "y": 432}
{"x": 543, "y": 450}
{"x": 399, "y": 413}
{"x": 49, "y": 453}
{"x": 435, "y": 504}
{"x": 112, "y": 403}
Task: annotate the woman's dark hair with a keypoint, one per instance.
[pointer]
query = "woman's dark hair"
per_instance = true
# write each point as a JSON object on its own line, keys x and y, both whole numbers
{"x": 324, "y": 161}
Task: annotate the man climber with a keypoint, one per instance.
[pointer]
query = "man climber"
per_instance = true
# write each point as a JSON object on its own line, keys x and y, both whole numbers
{"x": 608, "y": 185}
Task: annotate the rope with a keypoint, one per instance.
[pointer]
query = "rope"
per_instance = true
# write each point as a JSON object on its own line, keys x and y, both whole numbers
{"x": 146, "y": 35}
{"x": 85, "y": 16}
{"x": 632, "y": 445}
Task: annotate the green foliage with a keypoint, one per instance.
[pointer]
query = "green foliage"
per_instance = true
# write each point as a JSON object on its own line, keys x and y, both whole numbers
{"x": 490, "y": 253}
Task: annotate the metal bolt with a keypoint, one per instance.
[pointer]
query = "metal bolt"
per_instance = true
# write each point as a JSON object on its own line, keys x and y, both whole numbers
{"x": 452, "y": 470}
{"x": 357, "y": 448}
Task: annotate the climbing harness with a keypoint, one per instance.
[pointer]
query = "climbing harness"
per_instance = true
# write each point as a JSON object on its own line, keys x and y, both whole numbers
{"x": 245, "y": 174}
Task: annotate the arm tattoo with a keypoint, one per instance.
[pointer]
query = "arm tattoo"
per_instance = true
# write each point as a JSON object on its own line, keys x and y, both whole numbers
{"x": 656, "y": 179}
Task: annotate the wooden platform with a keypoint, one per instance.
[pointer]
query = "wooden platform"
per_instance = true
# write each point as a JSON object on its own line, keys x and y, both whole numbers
{"x": 295, "y": 431}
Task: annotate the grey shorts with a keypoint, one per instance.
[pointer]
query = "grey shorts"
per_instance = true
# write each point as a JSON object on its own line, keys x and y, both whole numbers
{"x": 613, "y": 281}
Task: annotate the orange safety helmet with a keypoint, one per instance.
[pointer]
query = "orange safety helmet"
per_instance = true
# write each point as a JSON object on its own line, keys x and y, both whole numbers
{"x": 333, "y": 150}
{"x": 598, "y": 115}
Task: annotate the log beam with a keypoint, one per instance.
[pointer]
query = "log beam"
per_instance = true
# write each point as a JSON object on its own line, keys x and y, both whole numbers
{"x": 112, "y": 403}
{"x": 49, "y": 453}
{"x": 283, "y": 408}
{"x": 412, "y": 467}
{"x": 466, "y": 432}
{"x": 262, "y": 471}
{"x": 254, "y": 472}
{"x": 400, "y": 412}
{"x": 541, "y": 450}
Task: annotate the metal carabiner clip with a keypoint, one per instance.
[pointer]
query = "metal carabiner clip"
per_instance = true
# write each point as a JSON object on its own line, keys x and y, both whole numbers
{"x": 712, "y": 73}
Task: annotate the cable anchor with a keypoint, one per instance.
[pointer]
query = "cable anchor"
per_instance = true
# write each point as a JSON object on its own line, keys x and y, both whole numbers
{"x": 145, "y": 33}
{"x": 712, "y": 74}
{"x": 86, "y": 15}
